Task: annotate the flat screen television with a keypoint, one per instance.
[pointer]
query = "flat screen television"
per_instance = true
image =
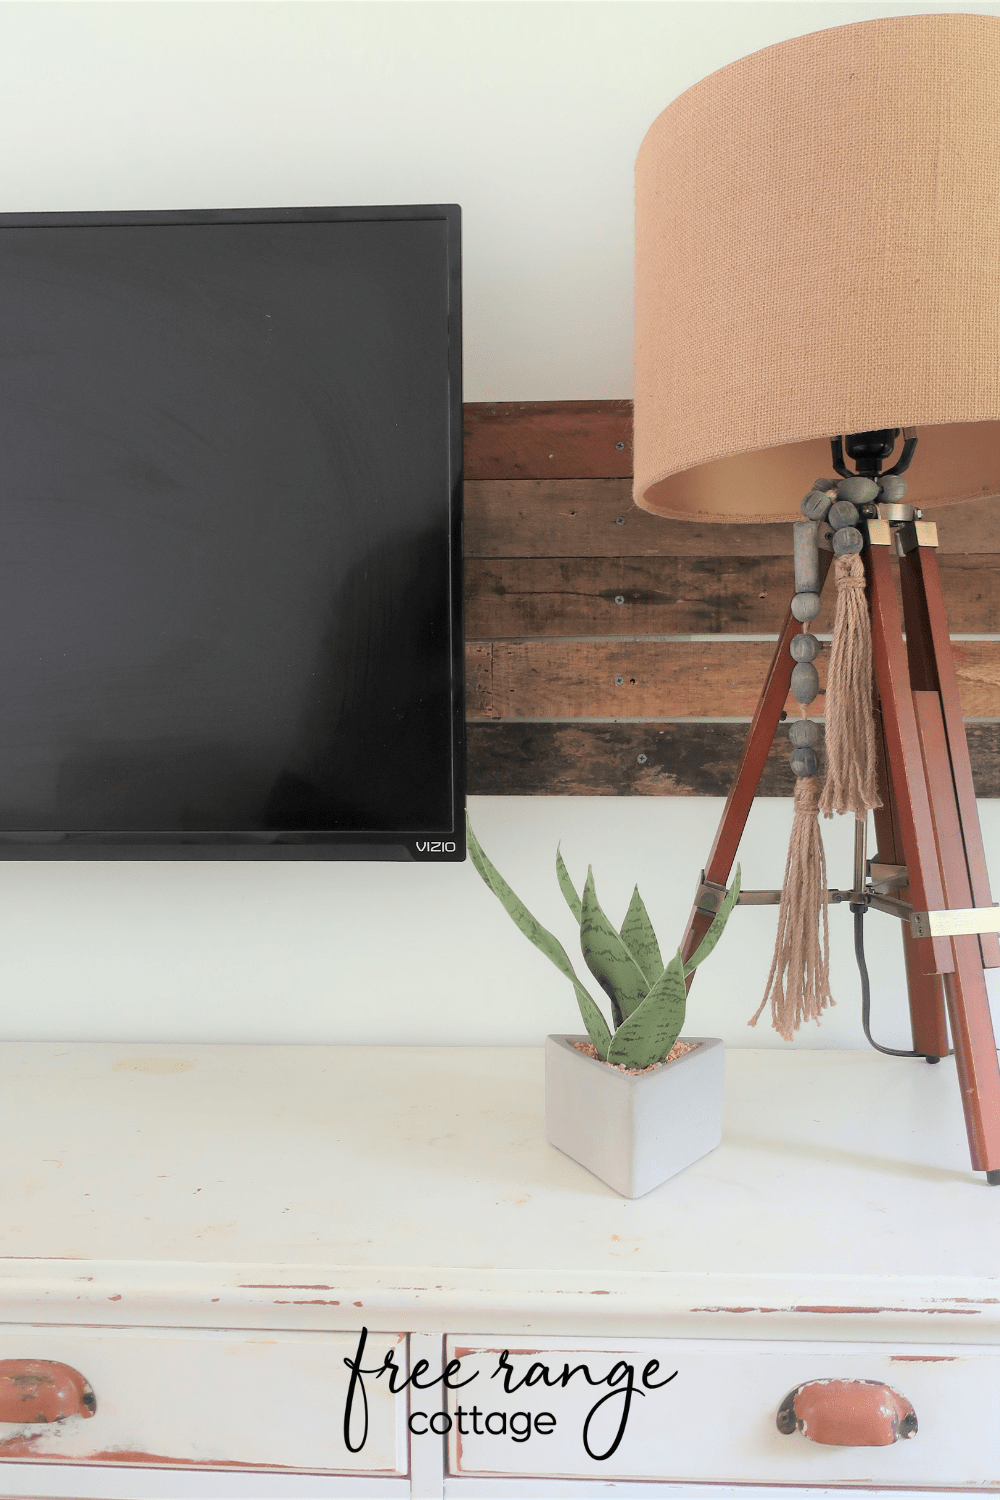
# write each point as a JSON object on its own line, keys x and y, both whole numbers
{"x": 230, "y": 535}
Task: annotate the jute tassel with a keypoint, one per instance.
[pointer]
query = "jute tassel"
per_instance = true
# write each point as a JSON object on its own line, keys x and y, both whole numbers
{"x": 851, "y": 784}
{"x": 798, "y": 985}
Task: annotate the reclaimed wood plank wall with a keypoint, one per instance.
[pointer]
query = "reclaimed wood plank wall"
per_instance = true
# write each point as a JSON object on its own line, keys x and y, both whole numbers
{"x": 610, "y": 652}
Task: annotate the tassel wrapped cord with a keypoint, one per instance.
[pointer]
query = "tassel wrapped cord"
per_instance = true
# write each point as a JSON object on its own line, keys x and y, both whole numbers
{"x": 851, "y": 783}
{"x": 798, "y": 985}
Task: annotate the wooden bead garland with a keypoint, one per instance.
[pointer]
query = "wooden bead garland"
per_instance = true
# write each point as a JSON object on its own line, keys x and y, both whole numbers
{"x": 805, "y": 607}
{"x": 798, "y": 985}
{"x": 850, "y": 784}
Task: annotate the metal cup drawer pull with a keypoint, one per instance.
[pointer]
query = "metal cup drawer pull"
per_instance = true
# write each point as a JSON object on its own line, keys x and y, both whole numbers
{"x": 847, "y": 1413}
{"x": 42, "y": 1390}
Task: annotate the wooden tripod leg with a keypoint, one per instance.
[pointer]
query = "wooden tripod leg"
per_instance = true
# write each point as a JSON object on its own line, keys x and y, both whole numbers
{"x": 965, "y": 988}
{"x": 932, "y": 667}
{"x": 975, "y": 1056}
{"x": 928, "y": 1022}
{"x": 904, "y": 755}
{"x": 740, "y": 800}
{"x": 930, "y": 814}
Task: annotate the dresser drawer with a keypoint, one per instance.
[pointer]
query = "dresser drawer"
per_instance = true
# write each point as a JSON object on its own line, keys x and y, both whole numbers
{"x": 707, "y": 1412}
{"x": 197, "y": 1397}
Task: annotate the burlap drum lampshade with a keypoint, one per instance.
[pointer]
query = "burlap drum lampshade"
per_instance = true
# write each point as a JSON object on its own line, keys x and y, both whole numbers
{"x": 818, "y": 252}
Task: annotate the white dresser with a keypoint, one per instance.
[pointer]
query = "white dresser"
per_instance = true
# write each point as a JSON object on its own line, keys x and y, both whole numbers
{"x": 193, "y": 1240}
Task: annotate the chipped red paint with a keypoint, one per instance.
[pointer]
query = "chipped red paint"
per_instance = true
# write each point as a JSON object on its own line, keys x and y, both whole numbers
{"x": 734, "y": 1309}
{"x": 832, "y": 1309}
{"x": 305, "y": 1302}
{"x": 116, "y": 1298}
{"x": 43, "y": 1390}
{"x": 20, "y": 1446}
{"x": 359, "y": 1304}
{"x": 135, "y": 1456}
{"x": 804, "y": 1308}
{"x": 600, "y": 1294}
{"x": 926, "y": 1359}
{"x": 797, "y": 1309}
{"x": 281, "y": 1286}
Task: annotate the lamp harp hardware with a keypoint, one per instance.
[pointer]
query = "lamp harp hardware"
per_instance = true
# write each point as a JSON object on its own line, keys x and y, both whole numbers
{"x": 869, "y": 450}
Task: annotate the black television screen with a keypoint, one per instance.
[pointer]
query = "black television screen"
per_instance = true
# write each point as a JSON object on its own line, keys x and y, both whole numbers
{"x": 230, "y": 508}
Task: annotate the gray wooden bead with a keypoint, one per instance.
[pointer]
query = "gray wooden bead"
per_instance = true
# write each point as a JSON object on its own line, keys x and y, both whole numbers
{"x": 806, "y": 557}
{"x": 842, "y": 513}
{"x": 847, "y": 540}
{"x": 825, "y": 484}
{"x": 804, "y": 732}
{"x": 805, "y": 682}
{"x": 805, "y": 607}
{"x": 804, "y": 647}
{"x": 815, "y": 505}
{"x": 857, "y": 489}
{"x": 892, "y": 488}
{"x": 803, "y": 761}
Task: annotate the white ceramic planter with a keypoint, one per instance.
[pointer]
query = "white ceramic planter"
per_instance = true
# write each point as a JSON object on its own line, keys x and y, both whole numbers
{"x": 633, "y": 1131}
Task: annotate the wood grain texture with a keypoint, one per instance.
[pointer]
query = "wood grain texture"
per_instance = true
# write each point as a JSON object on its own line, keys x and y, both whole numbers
{"x": 676, "y": 679}
{"x": 478, "y": 680}
{"x": 596, "y": 518}
{"x": 548, "y": 439}
{"x": 546, "y": 679}
{"x": 973, "y": 527}
{"x": 682, "y": 760}
{"x": 628, "y": 596}
{"x": 612, "y": 679}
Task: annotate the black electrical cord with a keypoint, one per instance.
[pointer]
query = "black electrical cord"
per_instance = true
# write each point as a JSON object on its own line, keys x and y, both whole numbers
{"x": 859, "y": 908}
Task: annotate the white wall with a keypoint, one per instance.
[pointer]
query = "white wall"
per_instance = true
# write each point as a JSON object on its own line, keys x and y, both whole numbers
{"x": 529, "y": 115}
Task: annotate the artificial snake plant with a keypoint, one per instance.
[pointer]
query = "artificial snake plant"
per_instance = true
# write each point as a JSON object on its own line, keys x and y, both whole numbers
{"x": 647, "y": 998}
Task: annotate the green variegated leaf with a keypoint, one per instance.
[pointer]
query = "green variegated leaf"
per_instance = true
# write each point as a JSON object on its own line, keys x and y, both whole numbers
{"x": 568, "y": 888}
{"x": 609, "y": 959}
{"x": 714, "y": 932}
{"x": 597, "y": 1028}
{"x": 648, "y": 1034}
{"x": 640, "y": 939}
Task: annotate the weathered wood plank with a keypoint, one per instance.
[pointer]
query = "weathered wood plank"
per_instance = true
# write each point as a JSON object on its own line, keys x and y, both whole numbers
{"x": 548, "y": 439}
{"x": 680, "y": 596}
{"x": 657, "y": 679}
{"x": 479, "y": 679}
{"x": 681, "y": 760}
{"x": 972, "y": 528}
{"x": 596, "y": 518}
{"x": 977, "y": 666}
{"x": 632, "y": 597}
{"x": 548, "y": 679}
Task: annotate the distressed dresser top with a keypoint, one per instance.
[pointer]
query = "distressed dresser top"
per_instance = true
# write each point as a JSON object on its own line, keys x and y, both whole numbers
{"x": 414, "y": 1187}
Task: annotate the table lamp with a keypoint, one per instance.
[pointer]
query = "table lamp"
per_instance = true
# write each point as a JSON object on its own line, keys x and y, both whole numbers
{"x": 818, "y": 294}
